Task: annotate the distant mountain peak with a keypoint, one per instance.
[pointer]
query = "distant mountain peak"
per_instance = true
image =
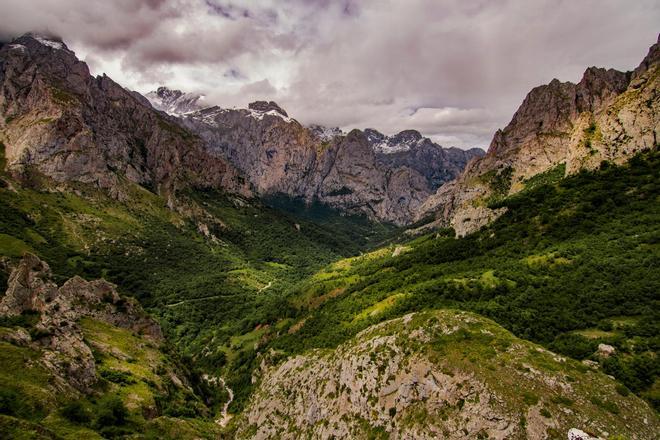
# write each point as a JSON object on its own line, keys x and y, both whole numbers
{"x": 46, "y": 40}
{"x": 325, "y": 133}
{"x": 173, "y": 101}
{"x": 398, "y": 143}
{"x": 267, "y": 106}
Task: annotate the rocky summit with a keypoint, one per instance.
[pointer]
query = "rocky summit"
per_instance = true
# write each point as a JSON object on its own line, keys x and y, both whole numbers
{"x": 60, "y": 121}
{"x": 173, "y": 102}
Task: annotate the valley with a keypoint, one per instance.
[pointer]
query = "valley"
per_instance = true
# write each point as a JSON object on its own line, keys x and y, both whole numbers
{"x": 231, "y": 273}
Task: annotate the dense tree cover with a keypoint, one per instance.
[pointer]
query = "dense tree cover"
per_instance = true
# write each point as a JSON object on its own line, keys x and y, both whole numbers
{"x": 566, "y": 257}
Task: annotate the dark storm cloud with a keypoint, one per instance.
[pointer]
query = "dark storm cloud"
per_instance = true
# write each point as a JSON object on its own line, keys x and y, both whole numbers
{"x": 454, "y": 69}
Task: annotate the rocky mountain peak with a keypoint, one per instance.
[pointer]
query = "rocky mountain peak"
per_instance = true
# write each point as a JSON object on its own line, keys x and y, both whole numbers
{"x": 374, "y": 136}
{"x": 407, "y": 136}
{"x": 651, "y": 58}
{"x": 266, "y": 106}
{"x": 174, "y": 102}
{"x": 607, "y": 116}
{"x": 49, "y": 41}
{"x": 599, "y": 85}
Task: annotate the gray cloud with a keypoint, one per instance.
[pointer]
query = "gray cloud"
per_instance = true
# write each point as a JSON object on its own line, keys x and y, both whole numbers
{"x": 454, "y": 69}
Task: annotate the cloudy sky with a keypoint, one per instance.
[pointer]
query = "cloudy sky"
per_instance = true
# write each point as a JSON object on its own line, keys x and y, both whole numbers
{"x": 456, "y": 70}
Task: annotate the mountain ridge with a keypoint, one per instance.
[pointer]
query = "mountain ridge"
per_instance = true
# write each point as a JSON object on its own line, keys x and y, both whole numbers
{"x": 279, "y": 155}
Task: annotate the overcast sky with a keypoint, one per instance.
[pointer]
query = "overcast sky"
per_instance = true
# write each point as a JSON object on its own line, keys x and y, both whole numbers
{"x": 456, "y": 70}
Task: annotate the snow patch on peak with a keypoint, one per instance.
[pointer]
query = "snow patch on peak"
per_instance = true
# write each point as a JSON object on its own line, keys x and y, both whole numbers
{"x": 389, "y": 145}
{"x": 174, "y": 102}
{"x": 49, "y": 42}
{"x": 17, "y": 46}
{"x": 207, "y": 115}
{"x": 259, "y": 115}
{"x": 325, "y": 133}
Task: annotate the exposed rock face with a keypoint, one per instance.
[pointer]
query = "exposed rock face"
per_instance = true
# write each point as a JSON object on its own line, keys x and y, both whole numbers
{"x": 325, "y": 133}
{"x": 174, "y": 102}
{"x": 443, "y": 374}
{"x": 57, "y": 119}
{"x": 265, "y": 107}
{"x": 65, "y": 353}
{"x": 608, "y": 115}
{"x": 350, "y": 172}
{"x": 409, "y": 148}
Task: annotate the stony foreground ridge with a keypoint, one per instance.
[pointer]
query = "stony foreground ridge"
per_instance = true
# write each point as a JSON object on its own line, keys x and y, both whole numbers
{"x": 443, "y": 374}
{"x": 65, "y": 353}
{"x": 607, "y": 116}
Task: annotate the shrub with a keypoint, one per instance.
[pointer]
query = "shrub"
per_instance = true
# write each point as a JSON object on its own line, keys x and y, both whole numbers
{"x": 119, "y": 377}
{"x": 111, "y": 411}
{"x": 76, "y": 412}
{"x": 10, "y": 402}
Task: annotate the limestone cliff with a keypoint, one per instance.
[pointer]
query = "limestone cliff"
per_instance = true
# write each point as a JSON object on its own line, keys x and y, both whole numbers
{"x": 607, "y": 116}
{"x": 362, "y": 172}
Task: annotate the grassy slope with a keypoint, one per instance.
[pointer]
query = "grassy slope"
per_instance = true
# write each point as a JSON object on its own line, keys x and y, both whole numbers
{"x": 568, "y": 256}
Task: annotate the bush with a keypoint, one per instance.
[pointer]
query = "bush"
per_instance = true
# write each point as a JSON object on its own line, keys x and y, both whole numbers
{"x": 111, "y": 411}
{"x": 10, "y": 402}
{"x": 119, "y": 377}
{"x": 575, "y": 346}
{"x": 76, "y": 412}
{"x": 622, "y": 390}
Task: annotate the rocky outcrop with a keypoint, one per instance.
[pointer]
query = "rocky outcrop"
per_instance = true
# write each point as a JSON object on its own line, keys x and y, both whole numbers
{"x": 57, "y": 333}
{"x": 265, "y": 107}
{"x": 443, "y": 374}
{"x": 607, "y": 116}
{"x": 58, "y": 120}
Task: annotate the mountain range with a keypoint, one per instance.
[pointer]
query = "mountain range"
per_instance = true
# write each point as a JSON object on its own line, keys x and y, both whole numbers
{"x": 173, "y": 269}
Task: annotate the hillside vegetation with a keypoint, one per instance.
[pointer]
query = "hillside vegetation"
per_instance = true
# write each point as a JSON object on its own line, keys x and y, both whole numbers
{"x": 572, "y": 264}
{"x": 239, "y": 287}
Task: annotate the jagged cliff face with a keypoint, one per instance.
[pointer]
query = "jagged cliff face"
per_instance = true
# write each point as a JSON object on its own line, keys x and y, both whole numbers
{"x": 442, "y": 374}
{"x": 353, "y": 172}
{"x": 608, "y": 115}
{"x": 59, "y": 120}
{"x": 409, "y": 148}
